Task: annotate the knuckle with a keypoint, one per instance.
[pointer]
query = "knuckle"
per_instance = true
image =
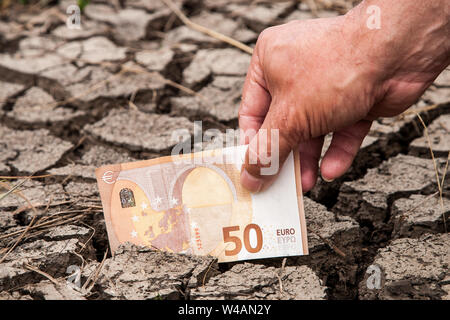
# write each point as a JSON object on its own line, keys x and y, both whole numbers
{"x": 265, "y": 36}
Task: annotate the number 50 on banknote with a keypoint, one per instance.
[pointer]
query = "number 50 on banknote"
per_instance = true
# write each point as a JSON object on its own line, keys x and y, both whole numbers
{"x": 195, "y": 204}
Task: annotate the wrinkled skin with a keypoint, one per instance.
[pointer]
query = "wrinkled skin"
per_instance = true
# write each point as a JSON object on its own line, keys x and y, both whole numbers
{"x": 309, "y": 78}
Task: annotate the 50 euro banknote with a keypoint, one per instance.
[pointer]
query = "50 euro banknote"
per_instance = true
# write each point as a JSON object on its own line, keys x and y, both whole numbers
{"x": 195, "y": 204}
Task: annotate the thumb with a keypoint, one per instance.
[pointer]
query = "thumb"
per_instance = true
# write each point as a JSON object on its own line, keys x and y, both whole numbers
{"x": 266, "y": 153}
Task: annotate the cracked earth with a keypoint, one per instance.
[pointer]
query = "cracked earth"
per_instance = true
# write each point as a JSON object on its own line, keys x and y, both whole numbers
{"x": 74, "y": 100}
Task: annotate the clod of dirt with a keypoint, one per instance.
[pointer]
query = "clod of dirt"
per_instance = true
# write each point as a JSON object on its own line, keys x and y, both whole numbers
{"x": 100, "y": 49}
{"x": 83, "y": 193}
{"x": 6, "y": 155}
{"x": 7, "y": 91}
{"x": 36, "y": 150}
{"x": 437, "y": 95}
{"x": 39, "y": 194}
{"x": 419, "y": 214}
{"x": 219, "y": 100}
{"x": 52, "y": 257}
{"x": 322, "y": 224}
{"x": 35, "y": 45}
{"x": 369, "y": 155}
{"x": 118, "y": 85}
{"x": 37, "y": 106}
{"x": 90, "y": 29}
{"x": 67, "y": 231}
{"x": 65, "y": 74}
{"x": 151, "y": 6}
{"x": 155, "y": 60}
{"x": 411, "y": 269}
{"x": 260, "y": 16}
{"x": 443, "y": 80}
{"x": 302, "y": 14}
{"x": 214, "y": 21}
{"x": 155, "y": 130}
{"x": 132, "y": 23}
{"x": 94, "y": 158}
{"x": 15, "y": 296}
{"x": 334, "y": 249}
{"x": 439, "y": 133}
{"x": 143, "y": 273}
{"x": 250, "y": 281}
{"x": 228, "y": 62}
{"x": 298, "y": 15}
{"x": 47, "y": 290}
{"x": 9, "y": 32}
{"x": 368, "y": 199}
{"x": 7, "y": 221}
{"x": 33, "y": 57}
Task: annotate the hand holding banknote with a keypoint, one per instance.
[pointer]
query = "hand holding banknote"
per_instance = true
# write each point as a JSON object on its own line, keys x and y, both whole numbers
{"x": 310, "y": 78}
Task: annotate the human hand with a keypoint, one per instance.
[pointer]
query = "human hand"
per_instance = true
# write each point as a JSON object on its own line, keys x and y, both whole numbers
{"x": 309, "y": 78}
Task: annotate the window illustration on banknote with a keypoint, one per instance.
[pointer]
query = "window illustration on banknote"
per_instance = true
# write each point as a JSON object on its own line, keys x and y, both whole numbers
{"x": 199, "y": 207}
{"x": 127, "y": 198}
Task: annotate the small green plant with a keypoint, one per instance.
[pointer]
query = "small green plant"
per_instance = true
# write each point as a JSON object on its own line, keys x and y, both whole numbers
{"x": 83, "y": 3}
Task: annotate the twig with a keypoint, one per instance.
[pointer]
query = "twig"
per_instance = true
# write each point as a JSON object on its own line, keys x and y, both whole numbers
{"x": 3, "y": 196}
{"x": 331, "y": 245}
{"x": 94, "y": 276}
{"x": 435, "y": 169}
{"x": 18, "y": 240}
{"x": 207, "y": 271}
{"x": 205, "y": 30}
{"x": 283, "y": 265}
{"x": 90, "y": 237}
{"x": 55, "y": 222}
{"x": 420, "y": 110}
{"x": 25, "y": 177}
{"x": 42, "y": 273}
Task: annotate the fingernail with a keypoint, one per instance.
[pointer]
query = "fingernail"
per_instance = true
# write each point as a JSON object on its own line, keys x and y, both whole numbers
{"x": 326, "y": 180}
{"x": 250, "y": 182}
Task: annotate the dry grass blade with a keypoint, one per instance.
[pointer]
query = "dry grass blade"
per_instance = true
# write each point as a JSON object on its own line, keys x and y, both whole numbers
{"x": 420, "y": 203}
{"x": 25, "y": 177}
{"x": 42, "y": 273}
{"x": 207, "y": 271}
{"x": 18, "y": 185}
{"x": 29, "y": 225}
{"x": 445, "y": 170}
{"x": 283, "y": 265}
{"x": 205, "y": 30}
{"x": 18, "y": 240}
{"x": 90, "y": 237}
{"x": 420, "y": 110}
{"x": 49, "y": 223}
{"x": 438, "y": 180}
{"x": 94, "y": 276}
{"x": 331, "y": 245}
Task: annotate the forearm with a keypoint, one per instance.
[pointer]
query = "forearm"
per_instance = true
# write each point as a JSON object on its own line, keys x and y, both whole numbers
{"x": 412, "y": 39}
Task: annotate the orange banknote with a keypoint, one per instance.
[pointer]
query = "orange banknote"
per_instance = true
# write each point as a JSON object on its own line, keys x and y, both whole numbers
{"x": 195, "y": 204}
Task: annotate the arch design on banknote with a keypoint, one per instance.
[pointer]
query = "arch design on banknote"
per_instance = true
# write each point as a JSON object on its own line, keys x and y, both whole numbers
{"x": 183, "y": 173}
